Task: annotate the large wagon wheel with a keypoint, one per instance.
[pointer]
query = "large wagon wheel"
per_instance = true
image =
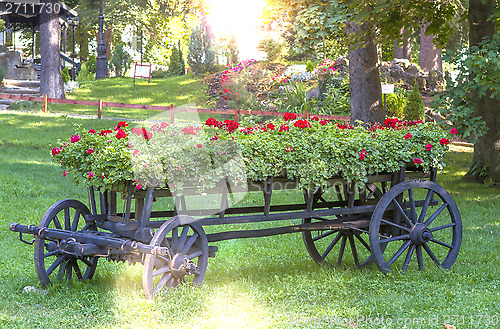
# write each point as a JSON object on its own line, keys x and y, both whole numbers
{"x": 413, "y": 217}
{"x": 188, "y": 259}
{"x": 50, "y": 262}
{"x": 336, "y": 246}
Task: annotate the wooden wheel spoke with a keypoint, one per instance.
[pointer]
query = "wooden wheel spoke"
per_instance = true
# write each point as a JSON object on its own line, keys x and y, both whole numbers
{"x": 55, "y": 264}
{"x": 442, "y": 227}
{"x": 77, "y": 270}
{"x": 435, "y": 214}
{"x": 195, "y": 254}
{"x": 86, "y": 261}
{"x": 189, "y": 243}
{"x": 331, "y": 245}
{"x": 427, "y": 201}
{"x": 363, "y": 242}
{"x": 413, "y": 211}
{"x": 164, "y": 279}
{"x": 395, "y": 238}
{"x": 420, "y": 258}
{"x": 67, "y": 219}
{"x": 62, "y": 270}
{"x": 183, "y": 237}
{"x": 57, "y": 223}
{"x": 51, "y": 253}
{"x": 323, "y": 235}
{"x": 175, "y": 239}
{"x": 354, "y": 250}
{"x": 408, "y": 257}
{"x": 399, "y": 252}
{"x": 342, "y": 249}
{"x": 431, "y": 254}
{"x": 395, "y": 225}
{"x": 442, "y": 243}
{"x": 162, "y": 270}
{"x": 76, "y": 218}
{"x": 402, "y": 212}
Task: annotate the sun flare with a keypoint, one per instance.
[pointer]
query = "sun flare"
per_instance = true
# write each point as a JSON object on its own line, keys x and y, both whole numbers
{"x": 239, "y": 18}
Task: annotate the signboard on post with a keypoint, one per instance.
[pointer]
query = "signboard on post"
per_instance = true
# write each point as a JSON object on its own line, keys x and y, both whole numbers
{"x": 388, "y": 89}
{"x": 142, "y": 71}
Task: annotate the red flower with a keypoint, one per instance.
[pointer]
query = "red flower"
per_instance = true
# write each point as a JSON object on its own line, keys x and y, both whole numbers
{"x": 164, "y": 125}
{"x": 341, "y": 126}
{"x": 226, "y": 94}
{"x": 212, "y": 122}
{"x": 188, "y": 130}
{"x": 453, "y": 131}
{"x": 231, "y": 125}
{"x": 142, "y": 131}
{"x": 75, "y": 138}
{"x": 428, "y": 146}
{"x": 105, "y": 132}
{"x": 314, "y": 118}
{"x": 270, "y": 126}
{"x": 289, "y": 149}
{"x": 214, "y": 138}
{"x": 289, "y": 116}
{"x": 302, "y": 123}
{"x": 444, "y": 141}
{"x": 417, "y": 161}
{"x": 323, "y": 122}
{"x": 408, "y": 136}
{"x": 121, "y": 134}
{"x": 391, "y": 122}
{"x": 199, "y": 146}
{"x": 55, "y": 151}
{"x": 90, "y": 151}
{"x": 121, "y": 124}
{"x": 91, "y": 131}
{"x": 362, "y": 154}
{"x": 284, "y": 128}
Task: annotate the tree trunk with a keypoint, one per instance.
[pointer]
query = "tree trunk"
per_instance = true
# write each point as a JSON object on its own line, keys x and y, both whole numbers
{"x": 430, "y": 56}
{"x": 403, "y": 51}
{"x": 51, "y": 81}
{"x": 366, "y": 93}
{"x": 486, "y": 160}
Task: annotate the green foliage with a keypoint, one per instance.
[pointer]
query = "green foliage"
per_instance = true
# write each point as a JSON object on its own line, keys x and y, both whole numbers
{"x": 271, "y": 47}
{"x": 478, "y": 72}
{"x": 415, "y": 107}
{"x": 176, "y": 67}
{"x": 201, "y": 57}
{"x": 2, "y": 74}
{"x": 337, "y": 98}
{"x": 90, "y": 64}
{"x": 65, "y": 75}
{"x": 294, "y": 99}
{"x": 85, "y": 73}
{"x": 396, "y": 102}
{"x": 159, "y": 73}
{"x": 120, "y": 60}
{"x": 309, "y": 66}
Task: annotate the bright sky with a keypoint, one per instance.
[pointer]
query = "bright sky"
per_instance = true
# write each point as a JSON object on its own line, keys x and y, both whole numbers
{"x": 240, "y": 18}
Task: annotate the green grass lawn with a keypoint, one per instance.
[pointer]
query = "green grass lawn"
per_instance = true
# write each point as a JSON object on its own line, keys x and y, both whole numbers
{"x": 253, "y": 283}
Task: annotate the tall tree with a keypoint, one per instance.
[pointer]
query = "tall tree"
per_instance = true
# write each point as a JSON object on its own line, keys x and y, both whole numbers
{"x": 51, "y": 81}
{"x": 430, "y": 55}
{"x": 402, "y": 48}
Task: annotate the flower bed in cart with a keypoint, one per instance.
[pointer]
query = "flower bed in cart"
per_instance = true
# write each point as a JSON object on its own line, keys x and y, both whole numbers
{"x": 307, "y": 151}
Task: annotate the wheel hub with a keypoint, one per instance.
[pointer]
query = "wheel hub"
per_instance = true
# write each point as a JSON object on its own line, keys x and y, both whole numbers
{"x": 180, "y": 266}
{"x": 420, "y": 234}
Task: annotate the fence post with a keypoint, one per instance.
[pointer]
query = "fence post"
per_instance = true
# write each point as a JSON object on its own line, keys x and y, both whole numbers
{"x": 44, "y": 103}
{"x": 172, "y": 113}
{"x": 307, "y": 114}
{"x": 237, "y": 115}
{"x": 99, "y": 109}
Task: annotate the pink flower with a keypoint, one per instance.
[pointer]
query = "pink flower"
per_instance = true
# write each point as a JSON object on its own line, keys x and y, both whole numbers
{"x": 75, "y": 138}
{"x": 289, "y": 149}
{"x": 408, "y": 136}
{"x": 214, "y": 138}
{"x": 444, "y": 141}
{"x": 102, "y": 176}
{"x": 91, "y": 174}
{"x": 138, "y": 186}
{"x": 199, "y": 146}
{"x": 55, "y": 151}
{"x": 90, "y": 151}
{"x": 453, "y": 131}
{"x": 362, "y": 154}
{"x": 417, "y": 161}
{"x": 64, "y": 173}
{"x": 136, "y": 152}
{"x": 428, "y": 146}
{"x": 91, "y": 131}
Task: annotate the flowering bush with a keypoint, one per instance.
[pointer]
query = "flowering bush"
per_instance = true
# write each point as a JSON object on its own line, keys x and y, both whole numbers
{"x": 309, "y": 151}
{"x": 326, "y": 69}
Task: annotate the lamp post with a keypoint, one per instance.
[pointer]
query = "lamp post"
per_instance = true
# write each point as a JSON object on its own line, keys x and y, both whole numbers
{"x": 101, "y": 63}
{"x": 73, "y": 22}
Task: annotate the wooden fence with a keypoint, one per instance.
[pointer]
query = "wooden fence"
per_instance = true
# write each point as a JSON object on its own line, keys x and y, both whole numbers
{"x": 100, "y": 104}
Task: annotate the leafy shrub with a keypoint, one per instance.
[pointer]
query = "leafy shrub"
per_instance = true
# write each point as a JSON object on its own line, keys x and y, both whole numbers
{"x": 415, "y": 107}
{"x": 294, "y": 98}
{"x": 201, "y": 57}
{"x": 272, "y": 49}
{"x": 395, "y": 103}
{"x": 90, "y": 63}
{"x": 85, "y": 74}
{"x": 309, "y": 66}
{"x": 176, "y": 65}
{"x": 65, "y": 75}
{"x": 159, "y": 73}
{"x": 120, "y": 60}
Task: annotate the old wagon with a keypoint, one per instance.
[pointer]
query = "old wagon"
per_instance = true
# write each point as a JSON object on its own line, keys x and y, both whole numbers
{"x": 392, "y": 219}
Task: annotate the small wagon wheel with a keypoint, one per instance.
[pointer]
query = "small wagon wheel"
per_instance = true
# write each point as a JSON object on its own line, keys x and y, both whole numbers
{"x": 333, "y": 247}
{"x": 414, "y": 217}
{"x": 50, "y": 262}
{"x": 188, "y": 259}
